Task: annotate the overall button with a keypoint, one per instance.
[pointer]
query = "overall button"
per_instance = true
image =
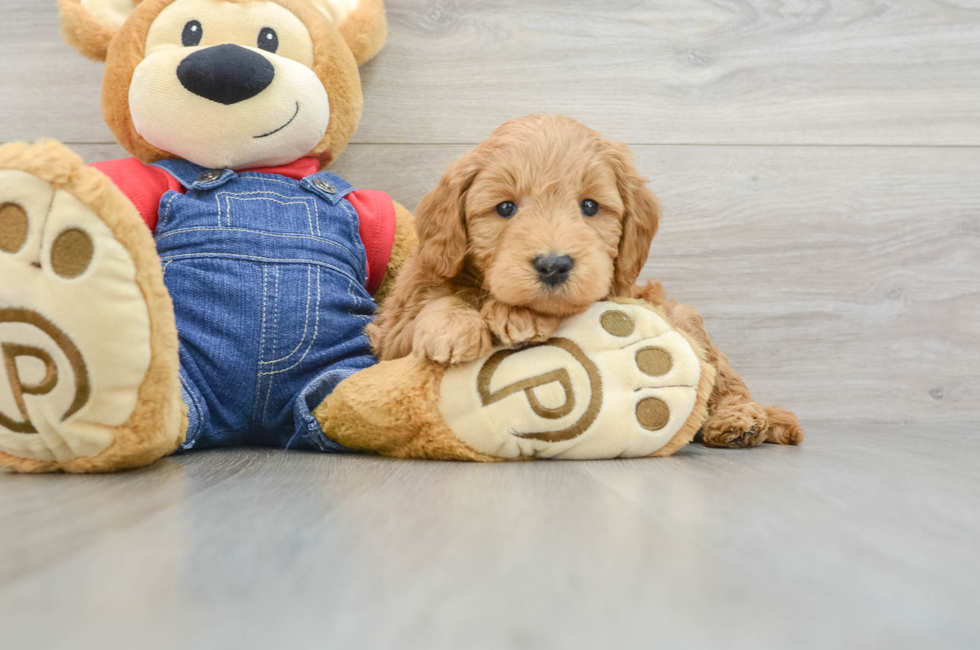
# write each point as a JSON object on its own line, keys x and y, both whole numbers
{"x": 324, "y": 186}
{"x": 209, "y": 176}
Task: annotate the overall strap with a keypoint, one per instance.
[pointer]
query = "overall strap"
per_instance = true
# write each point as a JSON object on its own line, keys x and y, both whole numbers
{"x": 329, "y": 187}
{"x": 195, "y": 177}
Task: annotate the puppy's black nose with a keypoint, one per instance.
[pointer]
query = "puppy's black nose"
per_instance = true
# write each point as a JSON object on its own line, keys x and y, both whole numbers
{"x": 226, "y": 74}
{"x": 553, "y": 269}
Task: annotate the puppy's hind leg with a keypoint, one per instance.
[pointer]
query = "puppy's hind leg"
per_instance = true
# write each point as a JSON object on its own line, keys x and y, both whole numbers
{"x": 734, "y": 419}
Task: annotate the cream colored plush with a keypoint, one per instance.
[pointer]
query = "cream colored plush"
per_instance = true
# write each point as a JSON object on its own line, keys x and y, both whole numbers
{"x": 614, "y": 382}
{"x": 113, "y": 341}
{"x": 87, "y": 384}
{"x": 591, "y": 373}
{"x": 276, "y": 127}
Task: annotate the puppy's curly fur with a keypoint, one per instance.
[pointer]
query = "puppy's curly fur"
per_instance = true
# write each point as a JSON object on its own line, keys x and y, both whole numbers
{"x": 474, "y": 279}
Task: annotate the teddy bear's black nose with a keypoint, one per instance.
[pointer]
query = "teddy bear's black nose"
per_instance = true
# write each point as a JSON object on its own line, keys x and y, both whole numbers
{"x": 226, "y": 74}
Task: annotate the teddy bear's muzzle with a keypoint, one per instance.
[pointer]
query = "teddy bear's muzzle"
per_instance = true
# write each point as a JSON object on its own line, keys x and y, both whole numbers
{"x": 226, "y": 74}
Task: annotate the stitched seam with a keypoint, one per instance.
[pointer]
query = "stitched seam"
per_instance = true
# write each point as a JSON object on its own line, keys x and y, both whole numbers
{"x": 196, "y": 404}
{"x": 306, "y": 325}
{"x": 356, "y": 300}
{"x": 275, "y": 315}
{"x": 295, "y": 201}
{"x": 252, "y": 192}
{"x": 265, "y": 178}
{"x": 298, "y": 184}
{"x": 253, "y": 258}
{"x": 268, "y": 392}
{"x": 316, "y": 213}
{"x": 254, "y": 232}
{"x": 166, "y": 212}
{"x": 316, "y": 329}
{"x": 265, "y": 298}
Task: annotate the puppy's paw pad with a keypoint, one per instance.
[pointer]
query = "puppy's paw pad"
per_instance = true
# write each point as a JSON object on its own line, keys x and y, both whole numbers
{"x": 614, "y": 381}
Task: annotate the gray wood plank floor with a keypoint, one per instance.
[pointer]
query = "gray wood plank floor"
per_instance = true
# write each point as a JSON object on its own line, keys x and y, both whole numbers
{"x": 819, "y": 166}
{"x": 864, "y": 538}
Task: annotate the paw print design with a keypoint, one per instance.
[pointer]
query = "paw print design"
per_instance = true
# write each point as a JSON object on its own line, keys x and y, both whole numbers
{"x": 74, "y": 327}
{"x": 615, "y": 381}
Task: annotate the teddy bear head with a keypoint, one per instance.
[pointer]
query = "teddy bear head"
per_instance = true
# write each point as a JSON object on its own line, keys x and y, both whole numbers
{"x": 229, "y": 83}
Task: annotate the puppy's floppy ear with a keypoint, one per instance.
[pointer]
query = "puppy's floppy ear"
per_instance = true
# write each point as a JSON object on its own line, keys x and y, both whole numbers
{"x": 90, "y": 25}
{"x": 440, "y": 219}
{"x": 641, "y": 219}
{"x": 361, "y": 22}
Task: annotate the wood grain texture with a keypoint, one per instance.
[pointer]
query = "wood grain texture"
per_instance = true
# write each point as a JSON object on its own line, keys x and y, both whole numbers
{"x": 653, "y": 71}
{"x": 853, "y": 540}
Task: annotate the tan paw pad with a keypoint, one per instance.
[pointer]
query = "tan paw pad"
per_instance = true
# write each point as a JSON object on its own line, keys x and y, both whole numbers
{"x": 616, "y": 381}
{"x": 74, "y": 326}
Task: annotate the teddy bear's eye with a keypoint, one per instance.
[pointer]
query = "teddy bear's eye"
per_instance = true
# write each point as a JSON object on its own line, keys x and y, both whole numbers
{"x": 193, "y": 33}
{"x": 268, "y": 39}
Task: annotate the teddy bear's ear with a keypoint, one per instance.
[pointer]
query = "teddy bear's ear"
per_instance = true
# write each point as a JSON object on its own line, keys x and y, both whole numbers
{"x": 90, "y": 25}
{"x": 361, "y": 22}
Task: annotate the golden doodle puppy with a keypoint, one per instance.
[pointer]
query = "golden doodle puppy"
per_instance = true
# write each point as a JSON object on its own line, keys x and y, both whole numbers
{"x": 541, "y": 220}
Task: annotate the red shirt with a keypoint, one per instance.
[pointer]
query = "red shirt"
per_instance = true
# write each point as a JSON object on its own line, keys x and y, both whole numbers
{"x": 145, "y": 185}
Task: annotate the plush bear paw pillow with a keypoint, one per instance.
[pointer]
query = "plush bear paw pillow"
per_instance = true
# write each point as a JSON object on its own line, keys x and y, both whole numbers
{"x": 614, "y": 382}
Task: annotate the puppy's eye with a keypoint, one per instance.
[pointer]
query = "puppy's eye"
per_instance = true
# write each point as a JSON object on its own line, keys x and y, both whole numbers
{"x": 193, "y": 33}
{"x": 589, "y": 207}
{"x": 268, "y": 40}
{"x": 506, "y": 209}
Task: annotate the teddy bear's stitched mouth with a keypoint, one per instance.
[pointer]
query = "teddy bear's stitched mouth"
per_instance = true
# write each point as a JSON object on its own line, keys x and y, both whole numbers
{"x": 266, "y": 135}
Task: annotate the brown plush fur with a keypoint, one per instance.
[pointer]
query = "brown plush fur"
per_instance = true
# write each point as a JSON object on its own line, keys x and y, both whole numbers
{"x": 470, "y": 277}
{"x": 393, "y": 409}
{"x": 365, "y": 30}
{"x": 157, "y": 426}
{"x": 90, "y": 38}
{"x": 334, "y": 63}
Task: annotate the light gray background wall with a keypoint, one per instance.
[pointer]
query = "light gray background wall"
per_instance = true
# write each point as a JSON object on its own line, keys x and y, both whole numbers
{"x": 819, "y": 163}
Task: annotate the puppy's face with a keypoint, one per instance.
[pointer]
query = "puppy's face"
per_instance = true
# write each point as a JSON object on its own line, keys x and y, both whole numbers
{"x": 544, "y": 219}
{"x": 548, "y": 214}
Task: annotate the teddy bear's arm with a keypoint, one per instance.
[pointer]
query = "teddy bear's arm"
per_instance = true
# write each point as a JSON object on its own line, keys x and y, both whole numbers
{"x": 405, "y": 242}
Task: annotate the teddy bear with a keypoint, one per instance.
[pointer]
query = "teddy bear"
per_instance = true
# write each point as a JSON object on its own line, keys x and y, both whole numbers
{"x": 212, "y": 289}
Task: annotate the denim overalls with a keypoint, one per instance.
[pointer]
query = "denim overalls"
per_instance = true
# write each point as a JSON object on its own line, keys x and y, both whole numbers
{"x": 267, "y": 276}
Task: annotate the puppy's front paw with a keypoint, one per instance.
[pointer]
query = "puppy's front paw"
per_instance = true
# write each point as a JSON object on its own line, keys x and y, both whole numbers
{"x": 515, "y": 325}
{"x": 451, "y": 336}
